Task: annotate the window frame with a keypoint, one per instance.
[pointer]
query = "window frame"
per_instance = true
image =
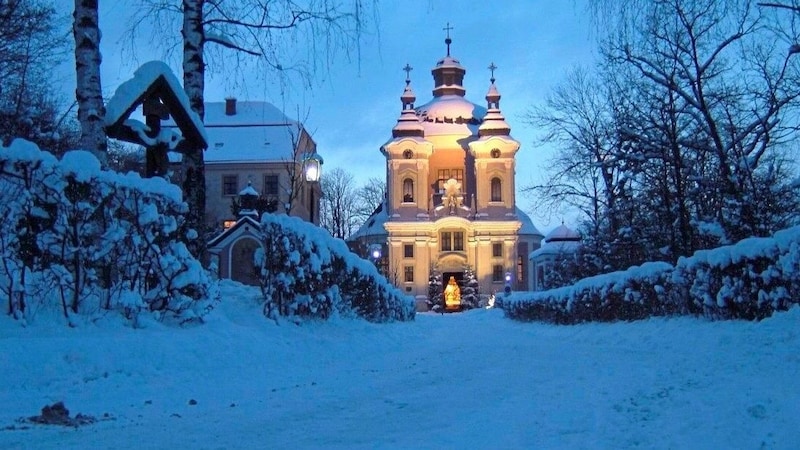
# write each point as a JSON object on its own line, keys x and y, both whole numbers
{"x": 452, "y": 241}
{"x": 408, "y": 274}
{"x": 276, "y": 185}
{"x": 408, "y": 250}
{"x": 498, "y": 273}
{"x": 230, "y": 185}
{"x": 496, "y": 190}
{"x": 408, "y": 190}
{"x": 497, "y": 249}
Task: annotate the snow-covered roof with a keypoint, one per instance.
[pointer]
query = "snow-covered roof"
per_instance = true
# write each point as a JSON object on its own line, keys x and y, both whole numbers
{"x": 374, "y": 224}
{"x": 562, "y": 233}
{"x": 151, "y": 79}
{"x": 258, "y": 131}
{"x": 527, "y": 228}
{"x": 555, "y": 248}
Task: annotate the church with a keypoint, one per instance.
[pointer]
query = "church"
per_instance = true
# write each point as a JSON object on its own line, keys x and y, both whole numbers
{"x": 450, "y": 204}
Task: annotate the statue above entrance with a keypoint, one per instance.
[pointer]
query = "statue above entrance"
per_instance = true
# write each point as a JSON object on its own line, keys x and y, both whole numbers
{"x": 453, "y": 198}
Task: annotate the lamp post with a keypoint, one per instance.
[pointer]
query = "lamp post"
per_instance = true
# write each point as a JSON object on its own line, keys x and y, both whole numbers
{"x": 507, "y": 287}
{"x": 375, "y": 254}
{"x": 312, "y": 168}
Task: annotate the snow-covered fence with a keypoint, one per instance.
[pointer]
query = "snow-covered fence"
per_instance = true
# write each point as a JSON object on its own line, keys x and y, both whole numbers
{"x": 748, "y": 280}
{"x": 93, "y": 239}
{"x": 305, "y": 272}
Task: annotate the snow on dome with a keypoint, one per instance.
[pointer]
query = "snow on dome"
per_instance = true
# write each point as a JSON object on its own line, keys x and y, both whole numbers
{"x": 449, "y": 61}
{"x": 555, "y": 248}
{"x": 450, "y": 107}
{"x": 562, "y": 233}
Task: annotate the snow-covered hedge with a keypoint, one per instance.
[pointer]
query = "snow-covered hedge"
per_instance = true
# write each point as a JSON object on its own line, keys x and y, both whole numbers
{"x": 83, "y": 240}
{"x": 305, "y": 272}
{"x": 748, "y": 280}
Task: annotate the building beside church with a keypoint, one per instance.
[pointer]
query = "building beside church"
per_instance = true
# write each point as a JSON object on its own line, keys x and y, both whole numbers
{"x": 451, "y": 202}
{"x": 253, "y": 143}
{"x": 563, "y": 242}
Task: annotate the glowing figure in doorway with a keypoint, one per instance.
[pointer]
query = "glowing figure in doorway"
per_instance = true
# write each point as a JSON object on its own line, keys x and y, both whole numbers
{"x": 452, "y": 295}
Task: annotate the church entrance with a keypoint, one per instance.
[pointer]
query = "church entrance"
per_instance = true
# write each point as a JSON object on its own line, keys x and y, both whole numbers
{"x": 452, "y": 290}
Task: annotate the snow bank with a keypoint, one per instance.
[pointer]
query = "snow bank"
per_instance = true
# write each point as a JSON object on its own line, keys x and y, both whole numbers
{"x": 748, "y": 280}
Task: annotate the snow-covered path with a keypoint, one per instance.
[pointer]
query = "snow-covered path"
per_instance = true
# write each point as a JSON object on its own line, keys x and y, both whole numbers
{"x": 472, "y": 380}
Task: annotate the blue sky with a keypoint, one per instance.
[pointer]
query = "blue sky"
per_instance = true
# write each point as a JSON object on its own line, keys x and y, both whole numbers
{"x": 353, "y": 106}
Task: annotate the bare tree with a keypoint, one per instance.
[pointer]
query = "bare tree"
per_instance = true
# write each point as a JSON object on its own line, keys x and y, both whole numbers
{"x": 369, "y": 196}
{"x": 89, "y": 90}
{"x": 338, "y": 203}
{"x": 269, "y": 31}
{"x": 30, "y": 45}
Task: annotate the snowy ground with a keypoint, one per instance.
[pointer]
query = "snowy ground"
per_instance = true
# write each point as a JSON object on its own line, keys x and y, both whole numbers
{"x": 472, "y": 380}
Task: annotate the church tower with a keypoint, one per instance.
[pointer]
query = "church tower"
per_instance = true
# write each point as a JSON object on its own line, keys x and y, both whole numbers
{"x": 450, "y": 206}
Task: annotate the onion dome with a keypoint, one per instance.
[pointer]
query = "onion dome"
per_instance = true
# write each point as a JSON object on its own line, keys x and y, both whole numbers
{"x": 494, "y": 124}
{"x": 448, "y": 74}
{"x": 408, "y": 124}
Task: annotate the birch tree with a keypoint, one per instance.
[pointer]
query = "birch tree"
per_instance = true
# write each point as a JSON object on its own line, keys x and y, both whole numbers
{"x": 281, "y": 36}
{"x": 89, "y": 92}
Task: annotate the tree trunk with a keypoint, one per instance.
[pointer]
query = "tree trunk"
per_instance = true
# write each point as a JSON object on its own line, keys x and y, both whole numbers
{"x": 89, "y": 92}
{"x": 193, "y": 168}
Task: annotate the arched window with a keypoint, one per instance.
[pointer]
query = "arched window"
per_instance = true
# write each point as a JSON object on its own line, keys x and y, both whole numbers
{"x": 496, "y": 189}
{"x": 408, "y": 190}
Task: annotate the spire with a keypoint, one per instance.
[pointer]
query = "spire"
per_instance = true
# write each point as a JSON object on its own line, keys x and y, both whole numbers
{"x": 447, "y": 40}
{"x": 408, "y": 123}
{"x": 448, "y": 74}
{"x": 494, "y": 124}
{"x": 408, "y": 98}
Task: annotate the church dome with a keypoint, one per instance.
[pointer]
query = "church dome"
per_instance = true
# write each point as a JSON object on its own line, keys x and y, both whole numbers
{"x": 562, "y": 233}
{"x": 451, "y": 108}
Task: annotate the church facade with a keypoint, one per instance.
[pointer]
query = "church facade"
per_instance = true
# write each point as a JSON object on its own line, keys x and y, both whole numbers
{"x": 451, "y": 203}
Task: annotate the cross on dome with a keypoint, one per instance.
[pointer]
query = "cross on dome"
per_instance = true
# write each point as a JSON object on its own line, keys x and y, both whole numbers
{"x": 447, "y": 40}
{"x": 492, "y": 68}
{"x": 407, "y": 69}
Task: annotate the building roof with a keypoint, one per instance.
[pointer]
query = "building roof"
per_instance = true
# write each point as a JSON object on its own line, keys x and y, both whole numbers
{"x": 258, "y": 131}
{"x": 562, "y": 233}
{"x": 527, "y": 228}
{"x": 555, "y": 248}
{"x": 374, "y": 224}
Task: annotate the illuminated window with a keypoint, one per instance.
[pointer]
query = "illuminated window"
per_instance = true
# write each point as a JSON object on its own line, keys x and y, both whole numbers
{"x": 497, "y": 250}
{"x": 408, "y": 190}
{"x": 497, "y": 273}
{"x": 408, "y": 250}
{"x": 446, "y": 174}
{"x": 230, "y": 184}
{"x": 520, "y": 270}
{"x": 496, "y": 195}
{"x": 408, "y": 274}
{"x": 228, "y": 223}
{"x": 271, "y": 185}
{"x": 452, "y": 241}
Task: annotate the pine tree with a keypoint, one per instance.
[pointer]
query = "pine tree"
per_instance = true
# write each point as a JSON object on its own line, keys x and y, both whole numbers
{"x": 470, "y": 296}
{"x": 435, "y": 298}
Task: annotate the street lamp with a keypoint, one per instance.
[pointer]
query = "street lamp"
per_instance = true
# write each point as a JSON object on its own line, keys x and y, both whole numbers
{"x": 312, "y": 168}
{"x": 507, "y": 288}
{"x": 375, "y": 254}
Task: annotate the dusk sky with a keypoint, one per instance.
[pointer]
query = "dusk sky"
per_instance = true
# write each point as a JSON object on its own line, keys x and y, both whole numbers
{"x": 352, "y": 108}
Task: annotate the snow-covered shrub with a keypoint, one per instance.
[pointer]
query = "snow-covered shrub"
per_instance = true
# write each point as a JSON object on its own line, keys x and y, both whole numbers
{"x": 93, "y": 238}
{"x": 303, "y": 271}
{"x": 435, "y": 298}
{"x": 749, "y": 280}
